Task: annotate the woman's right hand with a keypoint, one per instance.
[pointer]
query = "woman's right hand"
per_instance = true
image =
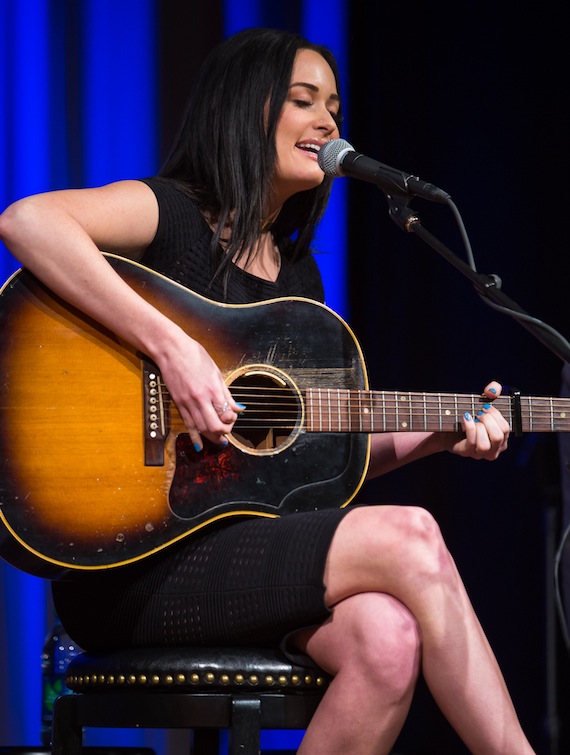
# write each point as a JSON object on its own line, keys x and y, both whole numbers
{"x": 198, "y": 389}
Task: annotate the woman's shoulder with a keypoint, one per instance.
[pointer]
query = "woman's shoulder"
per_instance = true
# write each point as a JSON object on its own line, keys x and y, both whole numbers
{"x": 171, "y": 191}
{"x": 182, "y": 232}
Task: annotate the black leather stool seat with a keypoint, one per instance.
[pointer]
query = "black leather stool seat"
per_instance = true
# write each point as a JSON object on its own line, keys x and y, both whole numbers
{"x": 204, "y": 689}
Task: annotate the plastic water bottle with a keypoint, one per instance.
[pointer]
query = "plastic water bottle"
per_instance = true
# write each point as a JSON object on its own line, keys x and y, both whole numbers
{"x": 58, "y": 651}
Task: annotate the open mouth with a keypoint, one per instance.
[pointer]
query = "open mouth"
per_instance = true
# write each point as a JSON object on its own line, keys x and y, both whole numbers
{"x": 309, "y": 148}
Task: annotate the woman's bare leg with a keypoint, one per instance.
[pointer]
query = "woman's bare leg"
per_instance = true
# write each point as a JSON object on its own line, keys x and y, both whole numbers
{"x": 367, "y": 703}
{"x": 400, "y": 551}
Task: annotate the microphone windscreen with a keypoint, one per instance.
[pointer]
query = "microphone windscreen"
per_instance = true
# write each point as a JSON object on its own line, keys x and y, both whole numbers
{"x": 329, "y": 156}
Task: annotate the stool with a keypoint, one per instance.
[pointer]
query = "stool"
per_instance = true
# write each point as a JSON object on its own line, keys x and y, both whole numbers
{"x": 243, "y": 690}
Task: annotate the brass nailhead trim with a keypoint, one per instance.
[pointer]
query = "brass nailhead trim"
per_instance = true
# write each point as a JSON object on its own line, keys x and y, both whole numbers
{"x": 194, "y": 678}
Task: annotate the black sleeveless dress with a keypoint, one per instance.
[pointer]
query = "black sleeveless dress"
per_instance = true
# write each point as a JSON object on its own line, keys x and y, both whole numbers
{"x": 250, "y": 582}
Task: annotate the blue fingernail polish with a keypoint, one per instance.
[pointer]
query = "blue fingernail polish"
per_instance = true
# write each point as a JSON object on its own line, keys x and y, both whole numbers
{"x": 492, "y": 390}
{"x": 241, "y": 407}
{"x": 479, "y": 414}
{"x": 224, "y": 442}
{"x": 486, "y": 406}
{"x": 477, "y": 420}
{"x": 467, "y": 416}
{"x": 198, "y": 447}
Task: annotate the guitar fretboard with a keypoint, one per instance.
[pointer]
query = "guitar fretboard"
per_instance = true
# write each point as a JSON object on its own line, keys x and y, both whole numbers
{"x": 334, "y": 410}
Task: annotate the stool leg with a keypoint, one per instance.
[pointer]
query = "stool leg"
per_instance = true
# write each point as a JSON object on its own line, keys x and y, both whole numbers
{"x": 67, "y": 735}
{"x": 245, "y": 730}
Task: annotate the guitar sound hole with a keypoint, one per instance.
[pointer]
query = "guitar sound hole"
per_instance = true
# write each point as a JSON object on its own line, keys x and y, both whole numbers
{"x": 272, "y": 414}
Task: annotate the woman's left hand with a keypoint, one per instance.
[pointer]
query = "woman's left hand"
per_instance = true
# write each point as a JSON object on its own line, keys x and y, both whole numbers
{"x": 486, "y": 434}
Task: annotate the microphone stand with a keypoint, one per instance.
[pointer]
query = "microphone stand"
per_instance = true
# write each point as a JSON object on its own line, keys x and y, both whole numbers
{"x": 488, "y": 286}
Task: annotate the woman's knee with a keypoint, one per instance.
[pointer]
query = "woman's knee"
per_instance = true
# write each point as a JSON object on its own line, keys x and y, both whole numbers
{"x": 386, "y": 639}
{"x": 371, "y": 637}
{"x": 388, "y": 541}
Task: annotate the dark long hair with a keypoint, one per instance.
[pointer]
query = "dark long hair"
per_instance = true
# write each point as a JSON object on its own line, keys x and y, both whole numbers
{"x": 225, "y": 151}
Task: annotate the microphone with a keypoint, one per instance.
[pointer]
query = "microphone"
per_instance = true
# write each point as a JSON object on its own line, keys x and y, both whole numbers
{"x": 339, "y": 158}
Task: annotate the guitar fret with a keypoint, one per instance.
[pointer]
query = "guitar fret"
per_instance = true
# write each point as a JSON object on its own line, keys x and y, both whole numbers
{"x": 396, "y": 413}
{"x": 456, "y": 407}
{"x": 530, "y": 417}
{"x": 401, "y": 423}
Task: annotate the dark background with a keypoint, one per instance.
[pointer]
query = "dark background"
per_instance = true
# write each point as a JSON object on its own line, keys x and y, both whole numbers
{"x": 475, "y": 103}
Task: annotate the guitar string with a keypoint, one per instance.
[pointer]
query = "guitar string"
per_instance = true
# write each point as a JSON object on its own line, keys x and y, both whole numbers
{"x": 346, "y": 409}
{"x": 396, "y": 398}
{"x": 378, "y": 400}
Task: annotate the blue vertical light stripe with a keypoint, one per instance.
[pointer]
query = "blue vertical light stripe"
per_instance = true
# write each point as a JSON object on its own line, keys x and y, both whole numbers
{"x": 30, "y": 97}
{"x": 25, "y": 603}
{"x": 329, "y": 29}
{"x": 6, "y": 263}
{"x": 241, "y": 14}
{"x": 120, "y": 132}
{"x": 25, "y": 163}
{"x": 24, "y": 95}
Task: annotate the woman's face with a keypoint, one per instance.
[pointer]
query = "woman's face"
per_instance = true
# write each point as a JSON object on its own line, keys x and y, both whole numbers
{"x": 305, "y": 124}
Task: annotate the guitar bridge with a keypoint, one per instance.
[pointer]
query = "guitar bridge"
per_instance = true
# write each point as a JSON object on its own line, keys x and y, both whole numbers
{"x": 156, "y": 415}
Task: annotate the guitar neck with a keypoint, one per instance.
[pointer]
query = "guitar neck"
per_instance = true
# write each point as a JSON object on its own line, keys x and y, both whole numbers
{"x": 332, "y": 410}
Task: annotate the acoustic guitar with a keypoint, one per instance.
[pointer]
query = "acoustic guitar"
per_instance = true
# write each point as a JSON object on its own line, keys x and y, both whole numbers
{"x": 97, "y": 469}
